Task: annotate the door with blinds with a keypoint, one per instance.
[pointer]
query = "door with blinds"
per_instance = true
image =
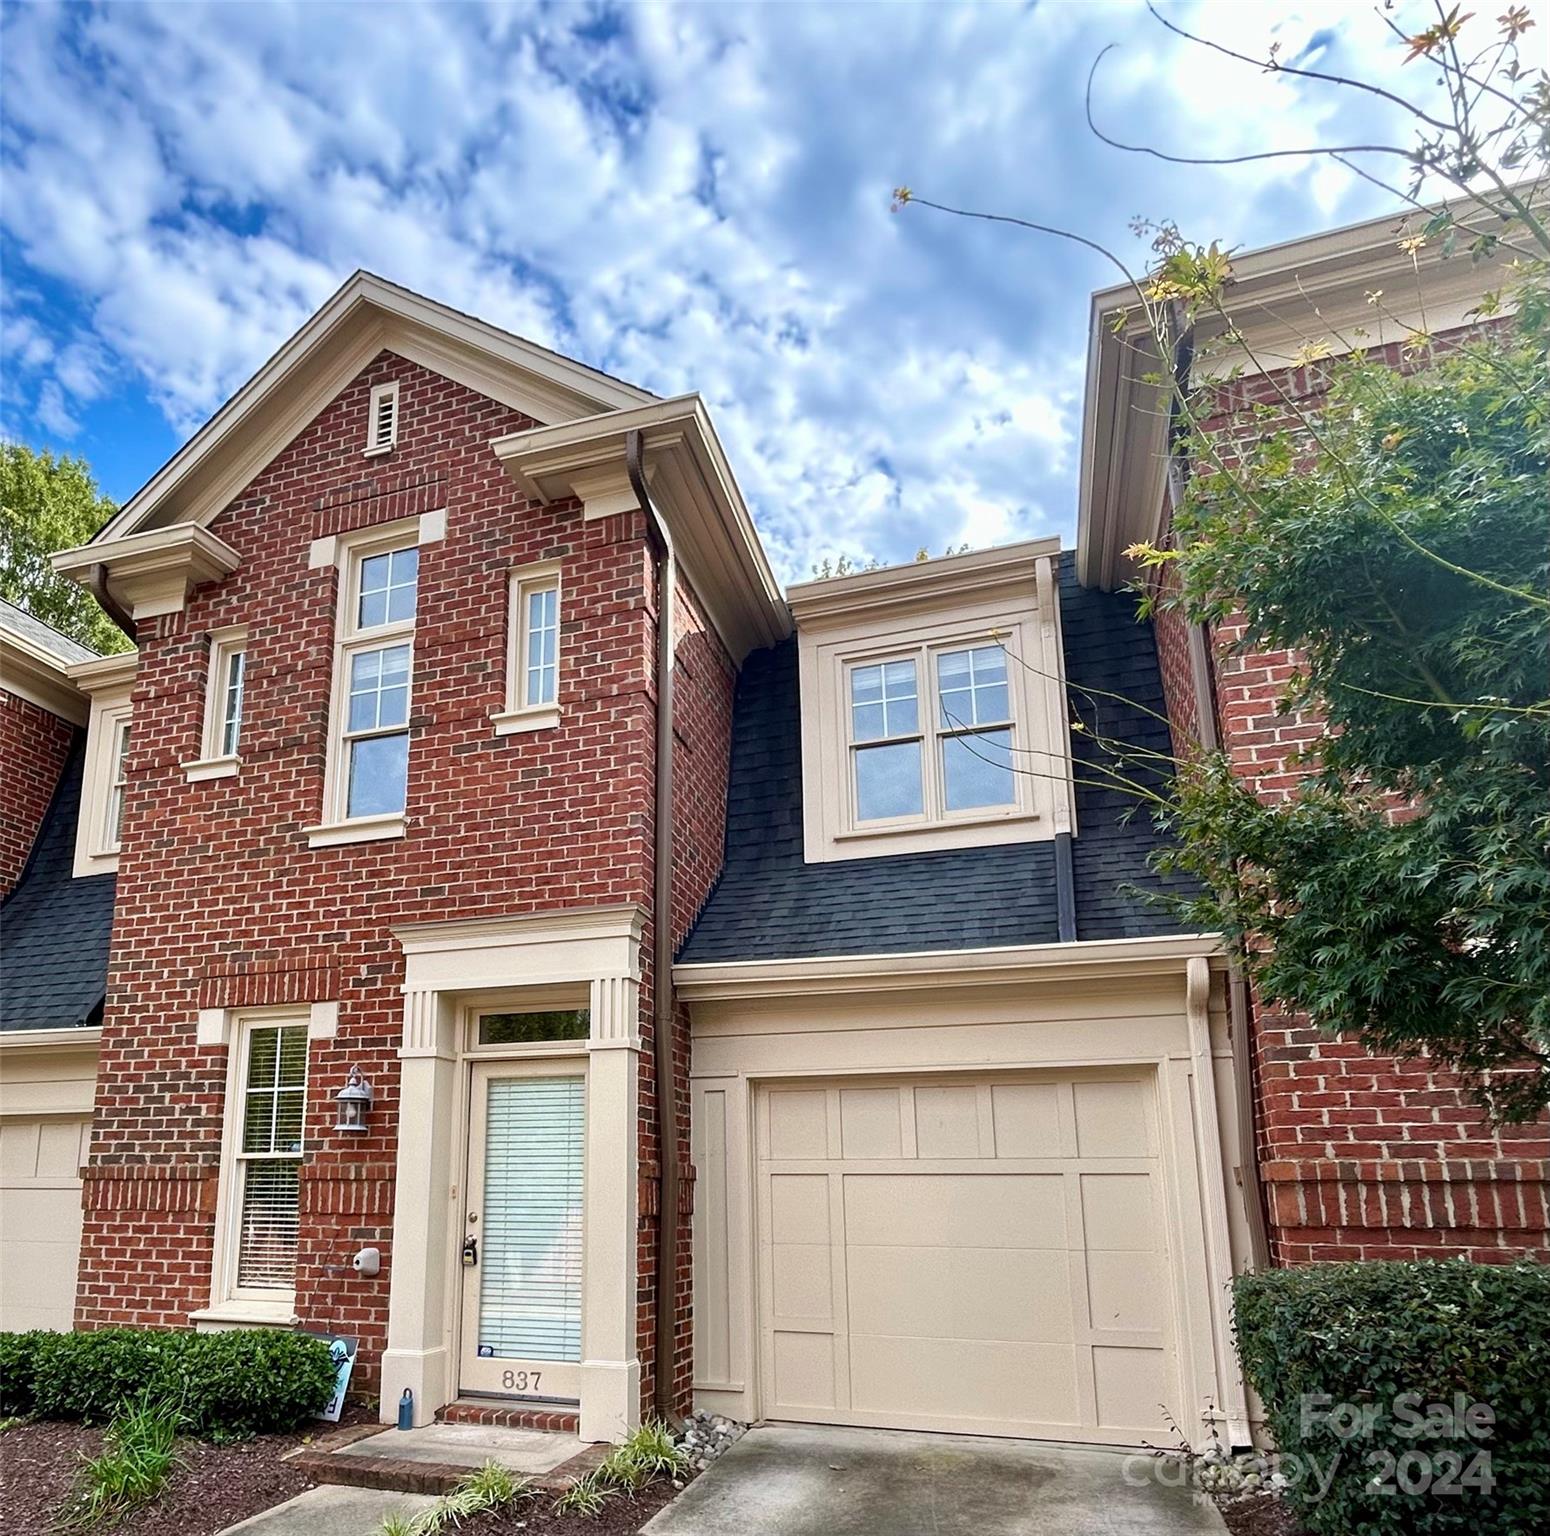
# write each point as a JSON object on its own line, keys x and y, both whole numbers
{"x": 522, "y": 1244}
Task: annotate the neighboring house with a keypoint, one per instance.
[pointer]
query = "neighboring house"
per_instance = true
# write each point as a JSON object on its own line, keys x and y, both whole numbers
{"x": 938, "y": 1125}
{"x": 1360, "y": 1156}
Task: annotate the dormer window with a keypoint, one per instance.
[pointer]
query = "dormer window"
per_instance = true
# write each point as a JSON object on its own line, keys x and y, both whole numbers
{"x": 933, "y": 707}
{"x": 105, "y": 780}
{"x": 382, "y": 424}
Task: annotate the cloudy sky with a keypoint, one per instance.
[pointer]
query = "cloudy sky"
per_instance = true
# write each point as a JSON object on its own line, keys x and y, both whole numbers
{"x": 689, "y": 196}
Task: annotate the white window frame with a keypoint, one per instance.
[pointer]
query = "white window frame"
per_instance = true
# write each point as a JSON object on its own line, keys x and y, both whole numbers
{"x": 518, "y": 714}
{"x": 97, "y": 842}
{"x": 995, "y": 597}
{"x": 347, "y": 553}
{"x": 228, "y": 1300}
{"x": 374, "y": 445}
{"x": 931, "y": 735}
{"x": 214, "y": 761}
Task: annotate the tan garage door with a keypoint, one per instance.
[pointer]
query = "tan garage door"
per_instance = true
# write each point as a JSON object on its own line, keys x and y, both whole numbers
{"x": 979, "y": 1255}
{"x": 40, "y": 1219}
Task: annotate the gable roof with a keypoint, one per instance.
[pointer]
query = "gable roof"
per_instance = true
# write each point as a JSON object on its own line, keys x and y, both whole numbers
{"x": 366, "y": 315}
{"x": 35, "y": 659}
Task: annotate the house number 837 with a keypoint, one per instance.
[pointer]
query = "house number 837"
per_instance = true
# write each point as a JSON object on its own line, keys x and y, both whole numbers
{"x": 520, "y": 1381}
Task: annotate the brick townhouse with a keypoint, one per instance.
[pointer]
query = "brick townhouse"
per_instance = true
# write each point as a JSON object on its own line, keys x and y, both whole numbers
{"x": 485, "y": 917}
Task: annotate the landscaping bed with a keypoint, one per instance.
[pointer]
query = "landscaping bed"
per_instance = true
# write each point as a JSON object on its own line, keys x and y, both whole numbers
{"x": 212, "y": 1486}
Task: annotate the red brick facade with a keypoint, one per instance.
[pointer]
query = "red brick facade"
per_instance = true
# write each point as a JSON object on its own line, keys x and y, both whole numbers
{"x": 34, "y": 743}
{"x": 222, "y": 903}
{"x": 1361, "y": 1156}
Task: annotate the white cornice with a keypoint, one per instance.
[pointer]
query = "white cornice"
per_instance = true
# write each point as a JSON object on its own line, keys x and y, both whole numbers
{"x": 364, "y": 316}
{"x": 692, "y": 484}
{"x": 946, "y": 580}
{"x": 928, "y": 970}
{"x": 625, "y": 920}
{"x": 104, "y": 674}
{"x": 76, "y": 1038}
{"x": 153, "y": 572}
{"x": 31, "y": 673}
{"x": 1281, "y": 297}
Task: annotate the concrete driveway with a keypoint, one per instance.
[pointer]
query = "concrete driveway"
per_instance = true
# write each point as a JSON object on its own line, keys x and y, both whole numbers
{"x": 799, "y": 1480}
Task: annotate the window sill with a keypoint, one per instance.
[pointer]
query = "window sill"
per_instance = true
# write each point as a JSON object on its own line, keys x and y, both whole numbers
{"x": 377, "y": 453}
{"x": 244, "y": 1314}
{"x": 365, "y": 829}
{"x": 509, "y": 722}
{"x": 942, "y": 829}
{"x": 211, "y": 768}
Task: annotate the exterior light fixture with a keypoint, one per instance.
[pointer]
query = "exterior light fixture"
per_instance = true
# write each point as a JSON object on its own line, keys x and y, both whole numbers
{"x": 354, "y": 1101}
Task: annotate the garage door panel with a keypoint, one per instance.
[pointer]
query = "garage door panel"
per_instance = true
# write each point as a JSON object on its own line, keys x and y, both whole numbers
{"x": 1117, "y": 1211}
{"x": 947, "y": 1122}
{"x": 1126, "y": 1291}
{"x": 804, "y": 1370}
{"x": 1026, "y": 1117}
{"x": 1018, "y": 1383}
{"x": 40, "y": 1220}
{"x": 870, "y": 1123}
{"x": 803, "y": 1283}
{"x": 956, "y": 1210}
{"x": 799, "y": 1207}
{"x": 1113, "y": 1119}
{"x": 798, "y": 1121}
{"x": 1131, "y": 1386}
{"x": 960, "y": 1293}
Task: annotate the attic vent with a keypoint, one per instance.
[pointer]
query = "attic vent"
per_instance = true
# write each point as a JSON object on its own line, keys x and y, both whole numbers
{"x": 382, "y": 427}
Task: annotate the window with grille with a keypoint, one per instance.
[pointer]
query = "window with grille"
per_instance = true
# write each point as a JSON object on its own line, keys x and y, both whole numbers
{"x": 532, "y": 650}
{"x": 382, "y": 423}
{"x": 117, "y": 779}
{"x": 268, "y": 1156}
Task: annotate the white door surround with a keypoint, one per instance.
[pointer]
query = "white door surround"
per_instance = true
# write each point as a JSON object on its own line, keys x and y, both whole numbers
{"x": 587, "y": 956}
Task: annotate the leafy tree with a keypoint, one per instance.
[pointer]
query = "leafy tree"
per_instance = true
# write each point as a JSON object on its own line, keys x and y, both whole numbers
{"x": 1395, "y": 534}
{"x": 49, "y": 504}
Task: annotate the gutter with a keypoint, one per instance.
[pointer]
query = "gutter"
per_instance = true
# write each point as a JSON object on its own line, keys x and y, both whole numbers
{"x": 1208, "y": 723}
{"x": 666, "y": 1081}
{"x": 97, "y": 585}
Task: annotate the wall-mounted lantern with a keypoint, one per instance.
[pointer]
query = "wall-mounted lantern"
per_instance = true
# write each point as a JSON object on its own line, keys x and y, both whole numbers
{"x": 354, "y": 1101}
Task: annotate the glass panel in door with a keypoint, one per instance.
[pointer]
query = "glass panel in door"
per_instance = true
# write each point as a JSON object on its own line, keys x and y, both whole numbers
{"x": 522, "y": 1253}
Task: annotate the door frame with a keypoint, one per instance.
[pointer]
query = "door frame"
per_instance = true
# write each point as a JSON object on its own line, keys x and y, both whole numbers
{"x": 487, "y": 1064}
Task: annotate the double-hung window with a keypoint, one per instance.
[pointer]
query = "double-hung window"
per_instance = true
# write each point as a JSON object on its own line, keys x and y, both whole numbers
{"x": 112, "y": 832}
{"x": 374, "y": 663}
{"x": 532, "y": 651}
{"x": 265, "y": 1118}
{"x": 225, "y": 694}
{"x": 955, "y": 754}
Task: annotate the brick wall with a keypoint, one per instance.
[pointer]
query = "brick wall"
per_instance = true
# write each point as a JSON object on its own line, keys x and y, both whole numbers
{"x": 1362, "y": 1156}
{"x": 34, "y": 743}
{"x": 222, "y": 903}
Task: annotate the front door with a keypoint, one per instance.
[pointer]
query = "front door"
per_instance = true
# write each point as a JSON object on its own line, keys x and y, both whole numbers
{"x": 522, "y": 1248}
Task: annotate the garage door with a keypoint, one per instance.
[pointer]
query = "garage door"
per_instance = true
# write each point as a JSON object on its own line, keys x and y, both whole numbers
{"x": 40, "y": 1219}
{"x": 976, "y": 1255}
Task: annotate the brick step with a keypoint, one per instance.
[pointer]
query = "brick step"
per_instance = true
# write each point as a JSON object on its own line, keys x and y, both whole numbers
{"x": 340, "y": 1459}
{"x": 470, "y": 1410}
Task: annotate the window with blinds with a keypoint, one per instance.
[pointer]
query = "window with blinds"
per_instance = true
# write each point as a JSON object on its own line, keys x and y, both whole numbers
{"x": 530, "y": 1251}
{"x": 269, "y": 1156}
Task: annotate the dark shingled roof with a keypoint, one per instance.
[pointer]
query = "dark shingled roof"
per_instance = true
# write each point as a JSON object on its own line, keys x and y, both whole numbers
{"x": 770, "y": 905}
{"x": 54, "y": 928}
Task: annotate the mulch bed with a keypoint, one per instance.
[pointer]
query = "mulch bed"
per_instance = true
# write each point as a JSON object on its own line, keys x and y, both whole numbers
{"x": 622, "y": 1515}
{"x": 1263, "y": 1515}
{"x": 215, "y": 1485}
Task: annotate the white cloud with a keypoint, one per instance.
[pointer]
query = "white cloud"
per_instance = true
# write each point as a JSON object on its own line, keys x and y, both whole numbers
{"x": 694, "y": 197}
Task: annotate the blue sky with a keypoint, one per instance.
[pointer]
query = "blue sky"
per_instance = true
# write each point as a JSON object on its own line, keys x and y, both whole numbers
{"x": 690, "y": 196}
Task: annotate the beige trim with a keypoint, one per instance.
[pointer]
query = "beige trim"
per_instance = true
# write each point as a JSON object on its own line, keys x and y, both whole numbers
{"x": 109, "y": 680}
{"x": 452, "y": 970}
{"x": 359, "y": 829}
{"x": 155, "y": 572}
{"x": 379, "y": 393}
{"x": 917, "y": 611}
{"x": 1282, "y": 296}
{"x": 932, "y": 970}
{"x": 365, "y": 316}
{"x": 48, "y": 1071}
{"x": 29, "y": 672}
{"x": 229, "y": 1315}
{"x": 50, "y": 1039}
{"x": 1123, "y": 1008}
{"x": 521, "y": 582}
{"x": 692, "y": 484}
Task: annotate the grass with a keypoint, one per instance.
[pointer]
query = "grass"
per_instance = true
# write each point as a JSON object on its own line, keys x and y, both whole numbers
{"x": 492, "y": 1486}
{"x": 137, "y": 1459}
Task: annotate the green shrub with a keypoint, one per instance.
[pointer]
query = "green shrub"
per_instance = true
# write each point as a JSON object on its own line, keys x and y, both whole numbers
{"x": 1333, "y": 1350}
{"x": 238, "y": 1383}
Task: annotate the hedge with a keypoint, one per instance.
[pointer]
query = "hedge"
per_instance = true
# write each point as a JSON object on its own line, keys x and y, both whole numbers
{"x": 1332, "y": 1349}
{"x": 236, "y": 1383}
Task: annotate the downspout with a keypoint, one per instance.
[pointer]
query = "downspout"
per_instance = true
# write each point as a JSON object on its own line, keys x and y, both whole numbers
{"x": 1208, "y": 723}
{"x": 97, "y": 585}
{"x": 662, "y": 949}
